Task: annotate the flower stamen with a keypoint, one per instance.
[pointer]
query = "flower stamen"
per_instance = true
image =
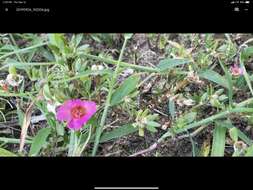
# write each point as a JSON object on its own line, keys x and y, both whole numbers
{"x": 78, "y": 112}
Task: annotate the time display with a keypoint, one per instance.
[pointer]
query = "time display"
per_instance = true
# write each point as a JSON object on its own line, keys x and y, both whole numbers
{"x": 19, "y": 6}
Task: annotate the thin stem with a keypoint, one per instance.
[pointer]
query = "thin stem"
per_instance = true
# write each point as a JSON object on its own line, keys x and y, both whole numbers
{"x": 23, "y": 50}
{"x": 244, "y": 103}
{"x": 193, "y": 144}
{"x": 21, "y": 59}
{"x": 146, "y": 79}
{"x": 208, "y": 120}
{"x": 72, "y": 143}
{"x": 81, "y": 149}
{"x": 25, "y": 64}
{"x": 13, "y": 141}
{"x": 108, "y": 101}
{"x": 230, "y": 84}
{"x": 246, "y": 76}
{"x": 23, "y": 95}
{"x": 123, "y": 64}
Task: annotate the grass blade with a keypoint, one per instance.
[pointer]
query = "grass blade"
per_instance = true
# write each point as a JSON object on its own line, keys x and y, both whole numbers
{"x": 244, "y": 137}
{"x": 13, "y": 141}
{"x": 214, "y": 77}
{"x": 169, "y": 63}
{"x": 121, "y": 63}
{"x": 172, "y": 108}
{"x": 219, "y": 137}
{"x": 249, "y": 151}
{"x": 24, "y": 50}
{"x": 246, "y": 76}
{"x": 39, "y": 140}
{"x": 85, "y": 74}
{"x": 118, "y": 132}
{"x": 4, "y": 152}
{"x": 128, "y": 86}
{"x": 230, "y": 84}
{"x": 24, "y": 65}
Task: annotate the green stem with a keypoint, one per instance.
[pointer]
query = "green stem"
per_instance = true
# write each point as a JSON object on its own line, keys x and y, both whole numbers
{"x": 23, "y": 95}
{"x": 207, "y": 120}
{"x": 245, "y": 103}
{"x": 123, "y": 64}
{"x": 25, "y": 64}
{"x": 246, "y": 76}
{"x": 13, "y": 141}
{"x": 82, "y": 147}
{"x": 230, "y": 83}
{"x": 108, "y": 101}
{"x": 21, "y": 59}
{"x": 72, "y": 143}
{"x": 23, "y": 50}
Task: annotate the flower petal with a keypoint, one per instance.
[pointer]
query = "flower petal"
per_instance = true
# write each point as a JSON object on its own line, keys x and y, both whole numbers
{"x": 63, "y": 112}
{"x": 75, "y": 124}
{"x": 76, "y": 102}
{"x": 90, "y": 108}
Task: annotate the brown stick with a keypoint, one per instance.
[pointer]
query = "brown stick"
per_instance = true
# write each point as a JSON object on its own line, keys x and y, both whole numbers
{"x": 151, "y": 148}
{"x": 155, "y": 145}
{"x": 27, "y": 121}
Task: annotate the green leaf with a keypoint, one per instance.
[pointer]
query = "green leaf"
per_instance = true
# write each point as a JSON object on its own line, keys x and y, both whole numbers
{"x": 233, "y": 132}
{"x": 39, "y": 141}
{"x": 128, "y": 86}
{"x": 169, "y": 63}
{"x": 246, "y": 139}
{"x": 172, "y": 108}
{"x": 141, "y": 132}
{"x": 188, "y": 118}
{"x": 214, "y": 77}
{"x": 83, "y": 47}
{"x": 76, "y": 40}
{"x": 21, "y": 115}
{"x": 6, "y": 153}
{"x": 151, "y": 128}
{"x": 46, "y": 91}
{"x": 230, "y": 83}
{"x": 228, "y": 124}
{"x": 219, "y": 137}
{"x": 118, "y": 132}
{"x": 247, "y": 53}
{"x": 182, "y": 122}
{"x": 57, "y": 40}
{"x": 96, "y": 38}
{"x": 128, "y": 36}
{"x": 153, "y": 124}
{"x": 246, "y": 76}
{"x": 60, "y": 130}
{"x": 249, "y": 151}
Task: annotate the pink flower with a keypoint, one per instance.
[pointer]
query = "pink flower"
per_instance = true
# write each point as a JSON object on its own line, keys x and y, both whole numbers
{"x": 236, "y": 70}
{"x": 76, "y": 113}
